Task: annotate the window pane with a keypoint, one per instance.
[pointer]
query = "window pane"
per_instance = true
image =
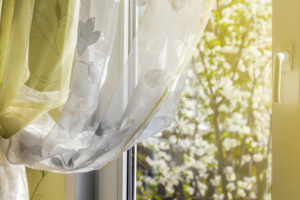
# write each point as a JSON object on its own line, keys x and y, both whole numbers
{"x": 219, "y": 144}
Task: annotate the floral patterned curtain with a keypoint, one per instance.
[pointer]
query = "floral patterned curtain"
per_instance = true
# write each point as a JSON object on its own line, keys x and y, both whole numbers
{"x": 56, "y": 112}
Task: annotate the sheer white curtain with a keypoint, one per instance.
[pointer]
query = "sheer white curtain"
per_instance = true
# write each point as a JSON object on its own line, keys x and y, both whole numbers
{"x": 92, "y": 128}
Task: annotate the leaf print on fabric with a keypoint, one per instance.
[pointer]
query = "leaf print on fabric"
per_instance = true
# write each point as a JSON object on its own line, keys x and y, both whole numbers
{"x": 57, "y": 11}
{"x": 57, "y": 162}
{"x": 45, "y": 28}
{"x": 93, "y": 69}
{"x": 155, "y": 77}
{"x": 99, "y": 130}
{"x": 177, "y": 4}
{"x": 71, "y": 160}
{"x": 65, "y": 161}
{"x": 49, "y": 28}
{"x": 100, "y": 152}
{"x": 34, "y": 149}
{"x": 141, "y": 2}
{"x": 86, "y": 35}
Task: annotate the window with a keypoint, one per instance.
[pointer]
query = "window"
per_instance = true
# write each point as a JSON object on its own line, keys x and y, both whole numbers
{"x": 285, "y": 117}
{"x": 219, "y": 145}
{"x": 116, "y": 181}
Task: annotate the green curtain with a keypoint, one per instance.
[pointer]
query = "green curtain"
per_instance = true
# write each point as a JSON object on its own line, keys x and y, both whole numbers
{"x": 37, "y": 47}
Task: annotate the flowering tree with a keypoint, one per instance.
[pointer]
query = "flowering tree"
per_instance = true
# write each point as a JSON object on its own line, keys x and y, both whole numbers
{"x": 219, "y": 145}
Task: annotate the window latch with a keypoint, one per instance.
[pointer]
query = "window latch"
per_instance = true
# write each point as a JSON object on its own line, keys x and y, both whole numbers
{"x": 281, "y": 62}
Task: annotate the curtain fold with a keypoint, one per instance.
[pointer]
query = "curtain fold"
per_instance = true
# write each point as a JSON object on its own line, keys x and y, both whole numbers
{"x": 6, "y": 14}
{"x": 46, "y": 138}
{"x": 38, "y": 42}
{"x": 86, "y": 135}
{"x": 60, "y": 112}
{"x": 13, "y": 181}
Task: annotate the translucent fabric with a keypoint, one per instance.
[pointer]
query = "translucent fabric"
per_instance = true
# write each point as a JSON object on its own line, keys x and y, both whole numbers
{"x": 37, "y": 46}
{"x": 86, "y": 133}
{"x": 13, "y": 181}
{"x": 78, "y": 122}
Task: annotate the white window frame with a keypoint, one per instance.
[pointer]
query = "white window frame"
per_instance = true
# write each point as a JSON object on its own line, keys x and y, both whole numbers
{"x": 117, "y": 180}
{"x": 286, "y": 115}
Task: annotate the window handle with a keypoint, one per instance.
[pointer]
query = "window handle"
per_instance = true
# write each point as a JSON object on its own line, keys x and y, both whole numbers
{"x": 280, "y": 58}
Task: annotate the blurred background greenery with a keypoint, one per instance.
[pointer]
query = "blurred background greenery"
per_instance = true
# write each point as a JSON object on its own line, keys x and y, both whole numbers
{"x": 219, "y": 145}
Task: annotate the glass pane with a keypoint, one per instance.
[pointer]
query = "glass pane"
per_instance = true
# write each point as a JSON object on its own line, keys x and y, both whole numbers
{"x": 219, "y": 144}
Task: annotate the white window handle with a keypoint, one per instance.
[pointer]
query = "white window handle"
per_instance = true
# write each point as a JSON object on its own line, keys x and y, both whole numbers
{"x": 280, "y": 58}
